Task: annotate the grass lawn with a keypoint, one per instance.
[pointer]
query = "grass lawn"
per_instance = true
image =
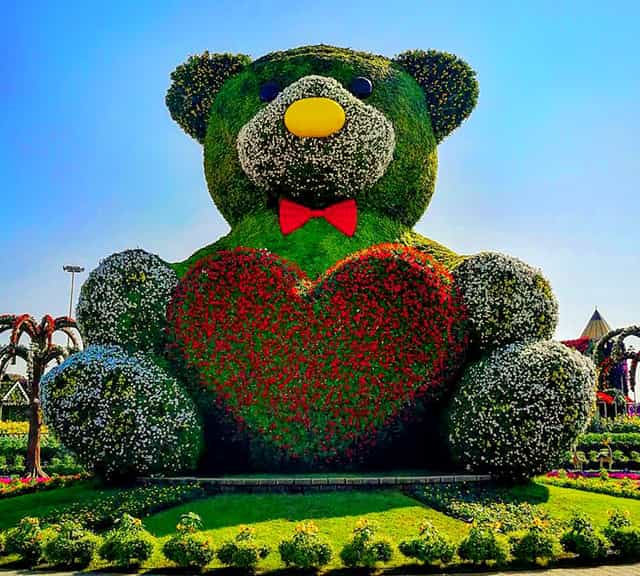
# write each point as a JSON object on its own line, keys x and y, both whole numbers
{"x": 40, "y": 503}
{"x": 274, "y": 515}
{"x": 563, "y": 502}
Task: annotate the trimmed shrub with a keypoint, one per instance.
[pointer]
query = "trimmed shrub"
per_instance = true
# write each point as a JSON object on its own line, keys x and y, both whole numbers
{"x": 305, "y": 549}
{"x": 507, "y": 300}
{"x": 584, "y": 540}
{"x": 432, "y": 546}
{"x": 72, "y": 546}
{"x": 617, "y": 519}
{"x": 625, "y": 442}
{"x": 188, "y": 548}
{"x": 537, "y": 543}
{"x": 626, "y": 542}
{"x": 483, "y": 545}
{"x": 363, "y": 550}
{"x": 518, "y": 410}
{"x": 122, "y": 415}
{"x": 128, "y": 544}
{"x": 28, "y": 540}
{"x": 243, "y": 552}
{"x": 124, "y": 300}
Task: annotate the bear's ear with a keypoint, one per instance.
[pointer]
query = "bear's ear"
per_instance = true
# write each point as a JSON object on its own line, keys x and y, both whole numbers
{"x": 195, "y": 84}
{"x": 449, "y": 84}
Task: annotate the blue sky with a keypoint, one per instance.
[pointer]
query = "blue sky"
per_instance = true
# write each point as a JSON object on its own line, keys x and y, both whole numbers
{"x": 545, "y": 169}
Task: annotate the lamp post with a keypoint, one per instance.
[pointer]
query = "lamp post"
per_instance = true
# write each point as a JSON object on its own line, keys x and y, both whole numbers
{"x": 73, "y": 270}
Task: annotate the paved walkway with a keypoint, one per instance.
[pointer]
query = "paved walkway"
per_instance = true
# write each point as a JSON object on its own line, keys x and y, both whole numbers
{"x": 625, "y": 570}
{"x": 316, "y": 482}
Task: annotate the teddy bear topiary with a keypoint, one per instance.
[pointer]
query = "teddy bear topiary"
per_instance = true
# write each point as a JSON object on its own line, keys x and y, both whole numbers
{"x": 322, "y": 326}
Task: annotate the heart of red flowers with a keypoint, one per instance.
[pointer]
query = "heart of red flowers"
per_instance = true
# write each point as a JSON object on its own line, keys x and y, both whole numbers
{"x": 318, "y": 368}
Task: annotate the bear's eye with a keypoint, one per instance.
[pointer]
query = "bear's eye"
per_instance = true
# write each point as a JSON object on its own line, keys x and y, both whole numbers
{"x": 268, "y": 91}
{"x": 361, "y": 87}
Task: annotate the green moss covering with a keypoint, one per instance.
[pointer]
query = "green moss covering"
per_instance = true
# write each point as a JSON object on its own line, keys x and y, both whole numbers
{"x": 318, "y": 245}
{"x": 405, "y": 190}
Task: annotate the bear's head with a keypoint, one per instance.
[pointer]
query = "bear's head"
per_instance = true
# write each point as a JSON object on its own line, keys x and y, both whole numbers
{"x": 318, "y": 124}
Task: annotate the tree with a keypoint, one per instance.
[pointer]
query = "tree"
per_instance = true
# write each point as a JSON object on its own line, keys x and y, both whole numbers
{"x": 40, "y": 352}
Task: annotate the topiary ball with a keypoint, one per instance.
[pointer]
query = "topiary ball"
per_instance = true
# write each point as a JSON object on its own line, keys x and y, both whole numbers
{"x": 124, "y": 301}
{"x": 518, "y": 410}
{"x": 122, "y": 415}
{"x": 506, "y": 299}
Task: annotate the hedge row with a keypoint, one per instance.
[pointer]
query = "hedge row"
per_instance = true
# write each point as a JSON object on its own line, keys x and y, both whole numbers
{"x": 128, "y": 544}
{"x": 626, "y": 441}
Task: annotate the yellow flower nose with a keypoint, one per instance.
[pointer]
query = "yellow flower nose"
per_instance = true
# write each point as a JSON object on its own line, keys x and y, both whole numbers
{"x": 314, "y": 117}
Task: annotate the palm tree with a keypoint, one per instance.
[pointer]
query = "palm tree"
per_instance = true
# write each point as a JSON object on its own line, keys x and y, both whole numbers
{"x": 40, "y": 352}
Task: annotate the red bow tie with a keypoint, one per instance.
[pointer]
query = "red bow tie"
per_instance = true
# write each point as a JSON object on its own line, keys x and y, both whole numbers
{"x": 342, "y": 215}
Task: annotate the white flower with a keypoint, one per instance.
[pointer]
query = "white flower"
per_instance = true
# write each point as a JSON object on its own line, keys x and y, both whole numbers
{"x": 341, "y": 164}
{"x": 121, "y": 414}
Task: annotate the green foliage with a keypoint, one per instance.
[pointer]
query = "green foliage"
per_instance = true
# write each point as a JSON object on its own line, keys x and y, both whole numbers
{"x": 624, "y": 537}
{"x": 305, "y": 549}
{"x": 405, "y": 190}
{"x": 450, "y": 86}
{"x": 64, "y": 465}
{"x": 584, "y": 540}
{"x": 15, "y": 447}
{"x": 128, "y": 544}
{"x": 430, "y": 547}
{"x": 27, "y": 540}
{"x": 363, "y": 550}
{"x": 72, "y": 546}
{"x": 537, "y": 543}
{"x": 3, "y": 544}
{"x": 188, "y": 548}
{"x": 617, "y": 519}
{"x": 243, "y": 551}
{"x": 318, "y": 245}
{"x": 626, "y": 542}
{"x": 482, "y": 545}
{"x": 101, "y": 511}
{"x": 194, "y": 86}
{"x": 18, "y": 463}
{"x": 618, "y": 425}
{"x": 623, "y": 441}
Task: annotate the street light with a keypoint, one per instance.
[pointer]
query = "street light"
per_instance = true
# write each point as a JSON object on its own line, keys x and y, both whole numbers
{"x": 74, "y": 270}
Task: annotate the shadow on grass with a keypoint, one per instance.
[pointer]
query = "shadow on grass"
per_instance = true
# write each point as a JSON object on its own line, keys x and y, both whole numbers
{"x": 530, "y": 493}
{"x": 235, "y": 509}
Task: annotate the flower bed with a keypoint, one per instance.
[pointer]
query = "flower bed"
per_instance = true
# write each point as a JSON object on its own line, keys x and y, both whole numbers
{"x": 624, "y": 484}
{"x": 18, "y": 428}
{"x": 11, "y": 486}
{"x": 475, "y": 503}
{"x": 101, "y": 512}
